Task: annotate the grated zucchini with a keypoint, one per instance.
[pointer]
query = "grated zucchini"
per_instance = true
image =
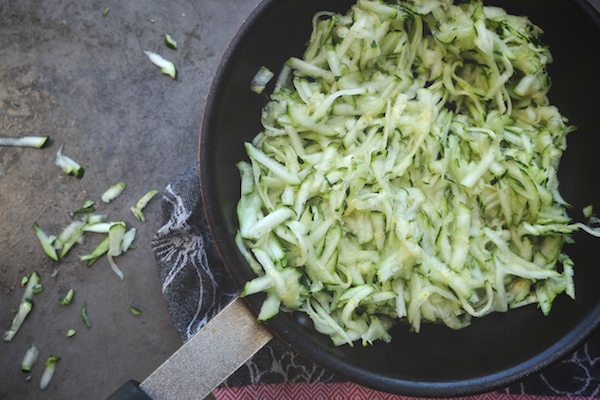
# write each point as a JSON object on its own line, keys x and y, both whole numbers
{"x": 407, "y": 170}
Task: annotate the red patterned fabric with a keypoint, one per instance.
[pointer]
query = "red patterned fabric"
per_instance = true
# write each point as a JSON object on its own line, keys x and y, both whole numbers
{"x": 349, "y": 391}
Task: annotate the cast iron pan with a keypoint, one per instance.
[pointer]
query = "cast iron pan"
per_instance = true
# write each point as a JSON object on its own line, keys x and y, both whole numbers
{"x": 494, "y": 351}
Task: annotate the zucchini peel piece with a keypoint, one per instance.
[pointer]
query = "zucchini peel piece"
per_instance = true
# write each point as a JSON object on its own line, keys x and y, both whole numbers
{"x": 113, "y": 192}
{"x": 66, "y": 298}
{"x": 47, "y": 242}
{"x": 48, "y": 373}
{"x": 166, "y": 67}
{"x": 30, "y": 358}
{"x": 99, "y": 251}
{"x": 260, "y": 80}
{"x": 84, "y": 315}
{"x": 137, "y": 210}
{"x": 37, "y": 142}
{"x": 68, "y": 165}
{"x": 24, "y": 309}
{"x": 170, "y": 42}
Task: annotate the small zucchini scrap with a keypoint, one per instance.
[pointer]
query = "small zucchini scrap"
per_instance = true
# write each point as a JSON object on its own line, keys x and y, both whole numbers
{"x": 32, "y": 287}
{"x": 48, "y": 373}
{"x": 84, "y": 315}
{"x": 68, "y": 236}
{"x": 23, "y": 311}
{"x": 137, "y": 210}
{"x": 261, "y": 79}
{"x": 166, "y": 67}
{"x": 87, "y": 207}
{"x": 113, "y": 192}
{"x": 71, "y": 332}
{"x": 115, "y": 246}
{"x": 98, "y": 252}
{"x": 170, "y": 42}
{"x": 30, "y": 358}
{"x": 66, "y": 298}
{"x": 36, "y": 142}
{"x": 135, "y": 311}
{"x": 37, "y": 288}
{"x": 68, "y": 165}
{"x": 47, "y": 242}
{"x": 117, "y": 241}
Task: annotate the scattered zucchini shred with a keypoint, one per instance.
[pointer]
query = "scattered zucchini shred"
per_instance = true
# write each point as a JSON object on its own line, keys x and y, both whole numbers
{"x": 170, "y": 42}
{"x": 99, "y": 251}
{"x": 66, "y": 298}
{"x": 37, "y": 142}
{"x": 86, "y": 208}
{"x": 137, "y": 210}
{"x": 49, "y": 369}
{"x": 68, "y": 165}
{"x": 23, "y": 311}
{"x": 84, "y": 315}
{"x": 113, "y": 192}
{"x": 115, "y": 246}
{"x": 261, "y": 79}
{"x": 135, "y": 311}
{"x": 47, "y": 242}
{"x": 30, "y": 358}
{"x": 166, "y": 67}
{"x": 32, "y": 286}
{"x": 39, "y": 288}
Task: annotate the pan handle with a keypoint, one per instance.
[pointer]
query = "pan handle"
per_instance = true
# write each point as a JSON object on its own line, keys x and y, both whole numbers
{"x": 130, "y": 391}
{"x": 203, "y": 362}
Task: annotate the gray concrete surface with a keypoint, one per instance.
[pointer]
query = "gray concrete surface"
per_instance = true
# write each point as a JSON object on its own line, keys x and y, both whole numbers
{"x": 80, "y": 77}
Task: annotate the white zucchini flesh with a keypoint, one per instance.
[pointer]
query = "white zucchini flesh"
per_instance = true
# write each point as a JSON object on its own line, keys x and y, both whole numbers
{"x": 166, "y": 67}
{"x": 68, "y": 165}
{"x": 48, "y": 374}
{"x": 138, "y": 209}
{"x": 30, "y": 358}
{"x": 36, "y": 142}
{"x": 113, "y": 192}
{"x": 407, "y": 170}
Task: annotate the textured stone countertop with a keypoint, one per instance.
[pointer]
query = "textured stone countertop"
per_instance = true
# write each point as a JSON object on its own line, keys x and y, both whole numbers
{"x": 77, "y": 73}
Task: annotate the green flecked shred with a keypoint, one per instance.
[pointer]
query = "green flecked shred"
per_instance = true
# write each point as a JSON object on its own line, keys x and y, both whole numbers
{"x": 66, "y": 298}
{"x": 170, "y": 42}
{"x": 113, "y": 192}
{"x": 135, "y": 310}
{"x": 84, "y": 315}
{"x": 37, "y": 142}
{"x": 47, "y": 242}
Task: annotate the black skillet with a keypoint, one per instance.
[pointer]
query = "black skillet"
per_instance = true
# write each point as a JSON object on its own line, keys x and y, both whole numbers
{"x": 494, "y": 351}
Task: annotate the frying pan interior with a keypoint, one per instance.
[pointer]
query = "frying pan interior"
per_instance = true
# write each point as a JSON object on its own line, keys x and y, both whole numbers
{"x": 494, "y": 351}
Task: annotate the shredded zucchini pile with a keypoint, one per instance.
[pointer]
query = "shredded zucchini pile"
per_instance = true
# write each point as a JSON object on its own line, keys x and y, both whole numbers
{"x": 407, "y": 171}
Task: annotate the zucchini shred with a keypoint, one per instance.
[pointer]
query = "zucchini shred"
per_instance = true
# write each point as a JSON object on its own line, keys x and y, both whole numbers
{"x": 407, "y": 171}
